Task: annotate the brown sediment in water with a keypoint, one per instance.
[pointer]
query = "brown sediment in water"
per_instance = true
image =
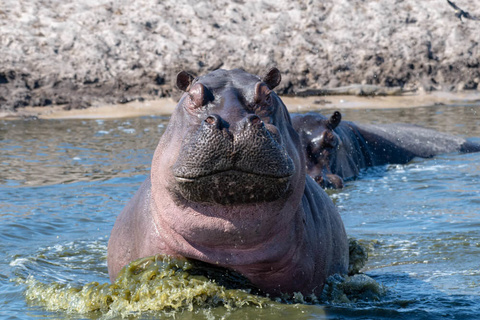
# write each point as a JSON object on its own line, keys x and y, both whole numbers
{"x": 166, "y": 106}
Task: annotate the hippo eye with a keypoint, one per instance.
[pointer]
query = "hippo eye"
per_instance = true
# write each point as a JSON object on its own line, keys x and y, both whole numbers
{"x": 268, "y": 98}
{"x": 328, "y": 140}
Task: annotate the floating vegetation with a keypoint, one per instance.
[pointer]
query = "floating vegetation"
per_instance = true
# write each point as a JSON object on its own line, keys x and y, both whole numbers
{"x": 158, "y": 283}
{"x": 169, "y": 285}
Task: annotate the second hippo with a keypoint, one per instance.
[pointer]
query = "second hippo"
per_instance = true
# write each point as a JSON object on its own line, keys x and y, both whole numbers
{"x": 337, "y": 150}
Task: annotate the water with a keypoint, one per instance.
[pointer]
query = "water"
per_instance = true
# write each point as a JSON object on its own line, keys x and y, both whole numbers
{"x": 62, "y": 183}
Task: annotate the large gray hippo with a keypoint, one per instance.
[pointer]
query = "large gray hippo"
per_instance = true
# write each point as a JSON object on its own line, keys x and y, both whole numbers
{"x": 336, "y": 150}
{"x": 228, "y": 187}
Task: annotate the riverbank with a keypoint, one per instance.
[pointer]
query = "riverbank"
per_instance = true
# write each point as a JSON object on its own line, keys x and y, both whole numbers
{"x": 97, "y": 52}
{"x": 165, "y": 106}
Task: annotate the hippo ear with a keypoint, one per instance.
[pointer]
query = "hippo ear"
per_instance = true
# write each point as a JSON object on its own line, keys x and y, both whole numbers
{"x": 272, "y": 78}
{"x": 334, "y": 120}
{"x": 184, "y": 80}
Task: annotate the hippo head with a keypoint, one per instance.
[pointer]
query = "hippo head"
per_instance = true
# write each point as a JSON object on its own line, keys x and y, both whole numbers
{"x": 228, "y": 174}
{"x": 233, "y": 150}
{"x": 230, "y": 141}
{"x": 321, "y": 144}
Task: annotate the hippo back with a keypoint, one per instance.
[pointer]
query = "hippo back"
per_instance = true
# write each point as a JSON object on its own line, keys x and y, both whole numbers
{"x": 400, "y": 142}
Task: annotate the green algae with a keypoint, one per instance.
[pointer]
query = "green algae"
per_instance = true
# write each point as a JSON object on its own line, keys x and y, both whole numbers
{"x": 350, "y": 289}
{"x": 158, "y": 283}
{"x": 168, "y": 285}
{"x": 358, "y": 256}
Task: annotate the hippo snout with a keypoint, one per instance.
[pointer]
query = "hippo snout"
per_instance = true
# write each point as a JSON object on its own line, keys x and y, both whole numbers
{"x": 245, "y": 156}
{"x": 329, "y": 181}
{"x": 246, "y": 146}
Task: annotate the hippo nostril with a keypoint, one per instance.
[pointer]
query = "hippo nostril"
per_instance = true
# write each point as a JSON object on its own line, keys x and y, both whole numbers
{"x": 211, "y": 120}
{"x": 216, "y": 122}
{"x": 254, "y": 119}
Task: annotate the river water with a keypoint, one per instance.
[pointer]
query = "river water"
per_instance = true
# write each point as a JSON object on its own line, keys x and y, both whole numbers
{"x": 63, "y": 182}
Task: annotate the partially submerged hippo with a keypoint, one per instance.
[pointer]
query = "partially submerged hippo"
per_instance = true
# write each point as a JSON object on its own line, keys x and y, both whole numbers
{"x": 228, "y": 187}
{"x": 337, "y": 150}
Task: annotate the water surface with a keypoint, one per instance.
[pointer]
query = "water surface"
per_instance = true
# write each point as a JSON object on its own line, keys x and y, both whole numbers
{"x": 63, "y": 182}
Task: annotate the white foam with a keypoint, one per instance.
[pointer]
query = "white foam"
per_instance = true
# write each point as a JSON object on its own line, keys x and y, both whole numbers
{"x": 19, "y": 262}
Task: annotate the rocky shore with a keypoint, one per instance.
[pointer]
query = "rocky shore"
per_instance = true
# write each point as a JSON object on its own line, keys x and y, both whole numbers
{"x": 82, "y": 53}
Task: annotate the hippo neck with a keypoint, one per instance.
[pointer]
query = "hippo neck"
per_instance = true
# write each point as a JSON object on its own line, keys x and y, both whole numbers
{"x": 253, "y": 253}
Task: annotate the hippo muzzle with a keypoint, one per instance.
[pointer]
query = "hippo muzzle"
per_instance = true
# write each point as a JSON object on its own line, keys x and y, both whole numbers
{"x": 231, "y": 163}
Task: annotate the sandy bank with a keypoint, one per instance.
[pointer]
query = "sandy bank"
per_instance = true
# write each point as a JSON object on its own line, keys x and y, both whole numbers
{"x": 165, "y": 106}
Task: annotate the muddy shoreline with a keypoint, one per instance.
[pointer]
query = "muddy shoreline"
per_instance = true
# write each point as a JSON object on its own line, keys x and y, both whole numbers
{"x": 97, "y": 52}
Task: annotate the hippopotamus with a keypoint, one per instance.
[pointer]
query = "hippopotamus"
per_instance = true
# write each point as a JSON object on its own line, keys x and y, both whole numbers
{"x": 228, "y": 187}
{"x": 337, "y": 150}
